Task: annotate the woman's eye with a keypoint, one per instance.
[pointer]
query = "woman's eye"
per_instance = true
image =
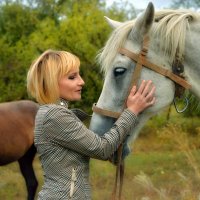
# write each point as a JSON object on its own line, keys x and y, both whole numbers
{"x": 71, "y": 77}
{"x": 119, "y": 71}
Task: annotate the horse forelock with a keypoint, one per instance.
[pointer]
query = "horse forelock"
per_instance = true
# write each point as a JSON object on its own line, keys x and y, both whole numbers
{"x": 116, "y": 41}
{"x": 170, "y": 28}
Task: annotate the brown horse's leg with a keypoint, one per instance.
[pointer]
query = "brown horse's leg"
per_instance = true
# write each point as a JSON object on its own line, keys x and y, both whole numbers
{"x": 27, "y": 171}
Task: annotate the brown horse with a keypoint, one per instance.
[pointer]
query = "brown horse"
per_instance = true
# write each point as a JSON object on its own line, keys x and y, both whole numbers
{"x": 16, "y": 143}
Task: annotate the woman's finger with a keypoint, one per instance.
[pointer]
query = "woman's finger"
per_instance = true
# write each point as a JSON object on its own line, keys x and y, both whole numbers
{"x": 151, "y": 93}
{"x": 133, "y": 90}
{"x": 142, "y": 86}
{"x": 152, "y": 101}
{"x": 147, "y": 88}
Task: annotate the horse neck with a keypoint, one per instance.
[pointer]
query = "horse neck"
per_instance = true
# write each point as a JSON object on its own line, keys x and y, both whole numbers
{"x": 192, "y": 60}
{"x": 191, "y": 57}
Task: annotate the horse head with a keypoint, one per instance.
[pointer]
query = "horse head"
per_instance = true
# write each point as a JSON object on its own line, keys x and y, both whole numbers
{"x": 167, "y": 32}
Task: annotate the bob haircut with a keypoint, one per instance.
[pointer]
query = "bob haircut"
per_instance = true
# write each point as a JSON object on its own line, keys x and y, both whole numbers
{"x": 45, "y": 72}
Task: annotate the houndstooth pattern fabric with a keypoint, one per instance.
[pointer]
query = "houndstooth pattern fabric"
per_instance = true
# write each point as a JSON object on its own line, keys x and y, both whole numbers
{"x": 80, "y": 114}
{"x": 65, "y": 146}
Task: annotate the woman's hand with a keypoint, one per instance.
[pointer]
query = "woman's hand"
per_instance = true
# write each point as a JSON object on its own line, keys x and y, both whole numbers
{"x": 139, "y": 100}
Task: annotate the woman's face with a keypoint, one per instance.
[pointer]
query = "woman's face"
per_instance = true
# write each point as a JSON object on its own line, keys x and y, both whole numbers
{"x": 70, "y": 86}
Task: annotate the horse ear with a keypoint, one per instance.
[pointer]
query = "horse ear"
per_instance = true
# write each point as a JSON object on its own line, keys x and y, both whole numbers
{"x": 143, "y": 23}
{"x": 112, "y": 23}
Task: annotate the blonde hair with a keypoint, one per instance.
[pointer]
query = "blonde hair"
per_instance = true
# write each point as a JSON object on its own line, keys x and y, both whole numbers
{"x": 45, "y": 72}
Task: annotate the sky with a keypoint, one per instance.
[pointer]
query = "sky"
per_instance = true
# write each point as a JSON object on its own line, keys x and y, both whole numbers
{"x": 142, "y": 4}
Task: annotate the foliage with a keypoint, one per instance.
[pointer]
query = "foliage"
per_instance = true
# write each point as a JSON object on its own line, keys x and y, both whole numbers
{"x": 27, "y": 28}
{"x": 16, "y": 24}
{"x": 195, "y": 4}
{"x": 193, "y": 107}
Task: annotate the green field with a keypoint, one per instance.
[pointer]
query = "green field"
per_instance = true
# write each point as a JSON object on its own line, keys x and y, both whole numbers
{"x": 165, "y": 165}
{"x": 151, "y": 175}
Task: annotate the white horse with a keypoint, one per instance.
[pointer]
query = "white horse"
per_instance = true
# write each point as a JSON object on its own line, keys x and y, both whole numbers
{"x": 171, "y": 33}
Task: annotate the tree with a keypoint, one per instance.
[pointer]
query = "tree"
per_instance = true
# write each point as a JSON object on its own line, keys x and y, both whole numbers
{"x": 16, "y": 24}
{"x": 195, "y": 4}
{"x": 27, "y": 28}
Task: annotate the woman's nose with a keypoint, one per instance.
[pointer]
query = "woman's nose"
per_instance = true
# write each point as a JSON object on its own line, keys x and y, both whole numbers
{"x": 81, "y": 81}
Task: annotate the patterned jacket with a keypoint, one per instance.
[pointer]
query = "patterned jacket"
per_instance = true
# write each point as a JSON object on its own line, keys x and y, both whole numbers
{"x": 65, "y": 146}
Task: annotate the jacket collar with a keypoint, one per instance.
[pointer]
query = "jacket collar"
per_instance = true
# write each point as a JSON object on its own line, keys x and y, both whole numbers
{"x": 63, "y": 102}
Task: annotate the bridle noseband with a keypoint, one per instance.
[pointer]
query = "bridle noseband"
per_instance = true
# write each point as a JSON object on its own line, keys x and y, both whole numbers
{"x": 141, "y": 61}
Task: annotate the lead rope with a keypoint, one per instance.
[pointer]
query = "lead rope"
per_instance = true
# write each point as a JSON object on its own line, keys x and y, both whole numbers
{"x": 117, "y": 195}
{"x": 118, "y": 176}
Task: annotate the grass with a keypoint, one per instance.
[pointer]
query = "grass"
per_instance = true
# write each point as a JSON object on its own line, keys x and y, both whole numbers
{"x": 146, "y": 174}
{"x": 165, "y": 165}
{"x": 165, "y": 170}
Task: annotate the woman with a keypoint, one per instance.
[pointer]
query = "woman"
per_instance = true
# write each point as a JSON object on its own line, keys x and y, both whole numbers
{"x": 63, "y": 143}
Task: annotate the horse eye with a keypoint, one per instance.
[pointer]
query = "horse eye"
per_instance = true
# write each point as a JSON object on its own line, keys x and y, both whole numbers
{"x": 119, "y": 71}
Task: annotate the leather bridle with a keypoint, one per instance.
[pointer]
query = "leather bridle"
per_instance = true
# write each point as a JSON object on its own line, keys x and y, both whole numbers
{"x": 176, "y": 76}
{"x": 141, "y": 61}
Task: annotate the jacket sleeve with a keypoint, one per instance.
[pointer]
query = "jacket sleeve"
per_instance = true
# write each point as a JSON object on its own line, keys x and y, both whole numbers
{"x": 64, "y": 129}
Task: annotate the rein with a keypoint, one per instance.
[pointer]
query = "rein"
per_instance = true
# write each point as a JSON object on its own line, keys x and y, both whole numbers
{"x": 141, "y": 61}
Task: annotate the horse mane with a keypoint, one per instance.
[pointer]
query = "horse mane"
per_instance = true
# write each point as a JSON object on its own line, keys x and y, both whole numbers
{"x": 170, "y": 26}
